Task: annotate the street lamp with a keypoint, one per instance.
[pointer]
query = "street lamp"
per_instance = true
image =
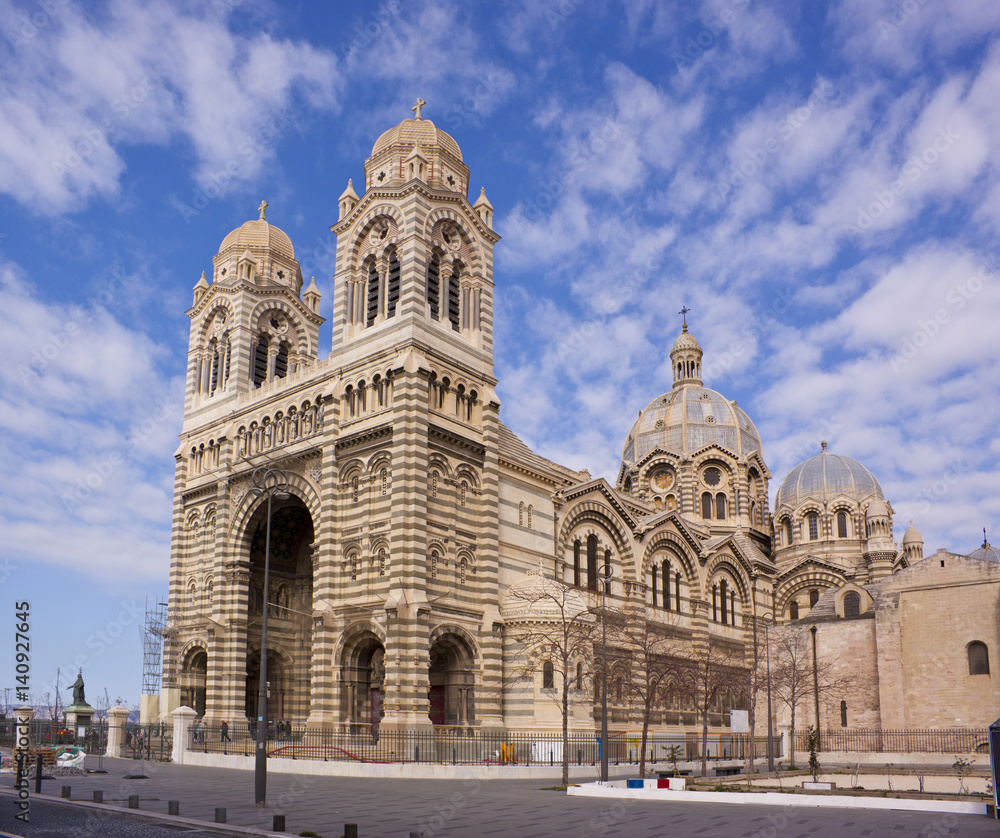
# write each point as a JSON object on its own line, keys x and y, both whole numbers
{"x": 272, "y": 483}
{"x": 769, "y": 618}
{"x": 607, "y": 572}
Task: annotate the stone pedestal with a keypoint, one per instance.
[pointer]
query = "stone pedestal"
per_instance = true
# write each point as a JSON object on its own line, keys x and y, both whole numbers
{"x": 117, "y": 719}
{"x": 183, "y": 719}
{"x": 79, "y": 716}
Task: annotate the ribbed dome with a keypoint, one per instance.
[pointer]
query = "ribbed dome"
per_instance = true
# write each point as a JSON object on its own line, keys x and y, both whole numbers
{"x": 689, "y": 418}
{"x": 824, "y": 477}
{"x": 257, "y": 233}
{"x": 536, "y": 597}
{"x": 986, "y": 553}
{"x": 409, "y": 132}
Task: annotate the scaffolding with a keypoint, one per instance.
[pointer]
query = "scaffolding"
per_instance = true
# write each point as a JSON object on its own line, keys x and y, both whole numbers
{"x": 153, "y": 632}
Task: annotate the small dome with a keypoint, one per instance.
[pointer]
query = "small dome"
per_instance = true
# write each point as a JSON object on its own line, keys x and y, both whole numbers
{"x": 689, "y": 418}
{"x": 417, "y": 132}
{"x": 824, "y": 477}
{"x": 685, "y": 340}
{"x": 912, "y": 535}
{"x": 986, "y": 553}
{"x": 257, "y": 233}
{"x": 878, "y": 508}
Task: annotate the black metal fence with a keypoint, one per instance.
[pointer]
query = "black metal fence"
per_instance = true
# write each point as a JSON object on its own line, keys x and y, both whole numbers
{"x": 290, "y": 740}
{"x": 942, "y": 741}
{"x": 151, "y": 741}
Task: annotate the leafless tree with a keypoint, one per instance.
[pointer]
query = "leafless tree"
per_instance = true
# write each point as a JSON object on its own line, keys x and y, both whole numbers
{"x": 550, "y": 624}
{"x": 648, "y": 654}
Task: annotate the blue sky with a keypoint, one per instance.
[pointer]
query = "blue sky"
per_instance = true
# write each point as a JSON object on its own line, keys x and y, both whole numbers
{"x": 817, "y": 182}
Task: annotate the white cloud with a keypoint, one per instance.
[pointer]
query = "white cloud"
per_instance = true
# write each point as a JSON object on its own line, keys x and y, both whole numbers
{"x": 76, "y": 93}
{"x": 88, "y": 420}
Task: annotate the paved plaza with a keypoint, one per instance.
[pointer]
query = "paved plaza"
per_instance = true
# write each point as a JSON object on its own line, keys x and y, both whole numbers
{"x": 390, "y": 808}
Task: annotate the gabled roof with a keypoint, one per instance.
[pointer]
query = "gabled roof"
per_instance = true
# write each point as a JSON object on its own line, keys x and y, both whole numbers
{"x": 815, "y": 562}
{"x": 514, "y": 452}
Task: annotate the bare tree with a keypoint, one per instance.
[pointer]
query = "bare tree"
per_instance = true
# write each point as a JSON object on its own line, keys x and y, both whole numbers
{"x": 794, "y": 676}
{"x": 552, "y": 630}
{"x": 647, "y": 657}
{"x": 718, "y": 671}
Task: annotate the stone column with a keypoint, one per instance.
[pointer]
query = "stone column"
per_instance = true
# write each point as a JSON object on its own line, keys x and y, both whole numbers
{"x": 183, "y": 717}
{"x": 117, "y": 719}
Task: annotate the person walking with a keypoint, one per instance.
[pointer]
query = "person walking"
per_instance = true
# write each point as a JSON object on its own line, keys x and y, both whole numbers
{"x": 224, "y": 733}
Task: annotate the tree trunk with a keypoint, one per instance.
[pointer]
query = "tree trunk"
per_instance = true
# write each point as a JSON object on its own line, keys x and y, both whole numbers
{"x": 704, "y": 741}
{"x": 645, "y": 736}
{"x": 565, "y": 727}
{"x": 791, "y": 747}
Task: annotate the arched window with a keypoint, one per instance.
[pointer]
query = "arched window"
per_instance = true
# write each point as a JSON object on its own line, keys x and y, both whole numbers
{"x": 434, "y": 285}
{"x": 852, "y": 604}
{"x": 653, "y": 586}
{"x": 192, "y": 591}
{"x": 384, "y": 476}
{"x": 210, "y": 591}
{"x": 453, "y": 292}
{"x": 260, "y": 361}
{"x": 706, "y": 505}
{"x": 531, "y": 510}
{"x": 788, "y": 531}
{"x": 214, "y": 369}
{"x": 576, "y": 562}
{"x": 979, "y": 658}
{"x": 724, "y": 591}
{"x": 548, "y": 676}
{"x": 813, "y": 520}
{"x": 520, "y": 514}
{"x": 434, "y": 484}
{"x": 813, "y": 597}
{"x": 463, "y": 568}
{"x": 841, "y": 524}
{"x": 720, "y": 506}
{"x": 372, "y": 309}
{"x": 666, "y": 584}
{"x": 381, "y": 561}
{"x": 355, "y": 489}
{"x": 434, "y": 564}
{"x": 392, "y": 287}
{"x": 793, "y": 610}
{"x": 843, "y": 714}
{"x": 464, "y": 492}
{"x": 579, "y": 676}
{"x": 592, "y": 562}
{"x": 677, "y": 592}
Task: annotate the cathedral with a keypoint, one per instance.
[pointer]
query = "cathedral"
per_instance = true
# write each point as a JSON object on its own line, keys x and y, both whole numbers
{"x": 414, "y": 523}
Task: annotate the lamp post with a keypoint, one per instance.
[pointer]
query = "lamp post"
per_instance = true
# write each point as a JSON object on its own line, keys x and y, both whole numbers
{"x": 272, "y": 483}
{"x": 769, "y": 618}
{"x": 607, "y": 571}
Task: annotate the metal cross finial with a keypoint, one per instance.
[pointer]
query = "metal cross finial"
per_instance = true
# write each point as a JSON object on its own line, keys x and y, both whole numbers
{"x": 261, "y": 208}
{"x": 418, "y": 107}
{"x": 683, "y": 313}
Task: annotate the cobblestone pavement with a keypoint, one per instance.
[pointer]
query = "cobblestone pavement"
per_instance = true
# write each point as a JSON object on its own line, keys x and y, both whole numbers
{"x": 389, "y": 808}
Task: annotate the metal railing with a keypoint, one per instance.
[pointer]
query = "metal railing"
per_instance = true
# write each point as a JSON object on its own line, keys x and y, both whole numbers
{"x": 462, "y": 746}
{"x": 940, "y": 741}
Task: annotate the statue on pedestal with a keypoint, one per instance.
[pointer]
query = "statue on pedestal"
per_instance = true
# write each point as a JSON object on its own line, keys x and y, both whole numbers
{"x": 77, "y": 687}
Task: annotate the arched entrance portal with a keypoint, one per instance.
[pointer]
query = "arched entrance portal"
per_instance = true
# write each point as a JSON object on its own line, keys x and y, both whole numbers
{"x": 289, "y": 608}
{"x": 194, "y": 675}
{"x": 363, "y": 680}
{"x": 277, "y": 687}
{"x": 451, "y": 678}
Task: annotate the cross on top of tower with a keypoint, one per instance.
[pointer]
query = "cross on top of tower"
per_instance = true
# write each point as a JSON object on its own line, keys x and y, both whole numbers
{"x": 261, "y": 209}
{"x": 683, "y": 313}
{"x": 418, "y": 107}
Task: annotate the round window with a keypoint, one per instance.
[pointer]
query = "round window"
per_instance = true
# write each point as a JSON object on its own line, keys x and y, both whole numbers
{"x": 712, "y": 476}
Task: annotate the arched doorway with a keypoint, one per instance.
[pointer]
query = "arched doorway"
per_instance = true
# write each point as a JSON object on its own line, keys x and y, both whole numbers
{"x": 363, "y": 683}
{"x": 277, "y": 687}
{"x": 193, "y": 679}
{"x": 451, "y": 682}
{"x": 289, "y": 608}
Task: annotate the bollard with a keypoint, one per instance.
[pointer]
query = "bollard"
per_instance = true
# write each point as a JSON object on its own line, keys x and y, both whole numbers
{"x": 550, "y": 758}
{"x": 416, "y": 754}
{"x": 279, "y": 824}
{"x": 350, "y": 830}
{"x": 133, "y": 801}
{"x": 579, "y": 757}
{"x": 452, "y": 756}
{"x": 38, "y": 774}
{"x": 220, "y": 814}
{"x": 64, "y": 792}
{"x": 173, "y": 807}
{"x": 98, "y": 796}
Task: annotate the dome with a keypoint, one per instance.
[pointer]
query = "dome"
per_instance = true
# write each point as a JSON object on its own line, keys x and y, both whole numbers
{"x": 825, "y": 477}
{"x": 986, "y": 553}
{"x": 912, "y": 535}
{"x": 689, "y": 418}
{"x": 420, "y": 132}
{"x": 257, "y": 233}
{"x": 878, "y": 508}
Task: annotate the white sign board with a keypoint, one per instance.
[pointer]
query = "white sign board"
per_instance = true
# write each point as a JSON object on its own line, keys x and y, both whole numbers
{"x": 739, "y": 721}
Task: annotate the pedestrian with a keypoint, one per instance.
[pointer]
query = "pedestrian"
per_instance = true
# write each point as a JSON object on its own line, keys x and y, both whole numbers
{"x": 196, "y": 737}
{"x": 224, "y": 733}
